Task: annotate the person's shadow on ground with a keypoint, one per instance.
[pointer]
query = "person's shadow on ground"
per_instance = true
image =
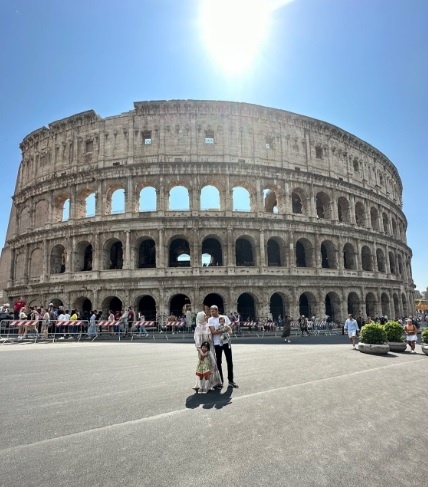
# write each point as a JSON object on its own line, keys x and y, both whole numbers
{"x": 213, "y": 399}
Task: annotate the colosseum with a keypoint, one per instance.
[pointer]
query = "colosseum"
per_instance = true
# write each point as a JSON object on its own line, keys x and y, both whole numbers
{"x": 179, "y": 202}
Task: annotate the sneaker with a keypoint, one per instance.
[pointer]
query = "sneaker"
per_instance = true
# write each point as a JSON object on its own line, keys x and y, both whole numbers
{"x": 413, "y": 351}
{"x": 146, "y": 335}
{"x": 233, "y": 384}
{"x": 218, "y": 386}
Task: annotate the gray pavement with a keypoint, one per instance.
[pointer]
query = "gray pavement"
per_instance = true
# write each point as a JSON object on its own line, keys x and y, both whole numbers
{"x": 310, "y": 413}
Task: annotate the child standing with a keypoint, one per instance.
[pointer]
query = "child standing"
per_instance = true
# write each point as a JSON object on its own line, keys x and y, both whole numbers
{"x": 203, "y": 369}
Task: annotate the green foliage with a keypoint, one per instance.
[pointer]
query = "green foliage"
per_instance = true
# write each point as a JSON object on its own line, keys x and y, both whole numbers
{"x": 424, "y": 335}
{"x": 394, "y": 332}
{"x": 374, "y": 334}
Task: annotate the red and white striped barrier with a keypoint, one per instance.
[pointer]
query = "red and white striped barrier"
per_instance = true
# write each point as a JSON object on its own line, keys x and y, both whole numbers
{"x": 23, "y": 323}
{"x": 174, "y": 323}
{"x": 69, "y": 323}
{"x": 108, "y": 323}
{"x": 144, "y": 323}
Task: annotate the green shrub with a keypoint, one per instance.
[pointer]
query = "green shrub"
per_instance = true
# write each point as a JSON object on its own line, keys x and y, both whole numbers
{"x": 373, "y": 333}
{"x": 394, "y": 331}
{"x": 424, "y": 335}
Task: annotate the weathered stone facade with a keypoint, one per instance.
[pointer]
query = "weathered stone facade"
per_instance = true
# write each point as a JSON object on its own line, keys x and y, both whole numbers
{"x": 324, "y": 232}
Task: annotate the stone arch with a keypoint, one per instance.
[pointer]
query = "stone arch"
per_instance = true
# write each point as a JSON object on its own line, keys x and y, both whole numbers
{"x": 83, "y": 304}
{"x": 214, "y": 299}
{"x": 61, "y": 209}
{"x": 247, "y": 306}
{"x": 241, "y": 199}
{"x": 396, "y": 307}
{"x": 360, "y": 214}
{"x": 36, "y": 263}
{"x": 177, "y": 303}
{"x": 385, "y": 222}
{"x": 322, "y": 204}
{"x": 41, "y": 213}
{"x": 56, "y": 302}
{"x": 146, "y": 306}
{"x": 380, "y": 259}
{"x": 179, "y": 199}
{"x": 332, "y": 306}
{"x": 391, "y": 257}
{"x": 210, "y": 198}
{"x": 328, "y": 255}
{"x": 366, "y": 258}
{"x": 113, "y": 254}
{"x": 400, "y": 265}
{"x": 179, "y": 252}
{"x": 275, "y": 252}
{"x": 349, "y": 261}
{"x": 343, "y": 210}
{"x": 147, "y": 199}
{"x": 113, "y": 303}
{"x": 299, "y": 201}
{"x": 83, "y": 256}
{"x": 270, "y": 201}
{"x": 146, "y": 253}
{"x": 279, "y": 305}
{"x": 244, "y": 251}
{"x": 307, "y": 304}
{"x": 354, "y": 304}
{"x": 371, "y": 304}
{"x": 384, "y": 299}
{"x": 58, "y": 259}
{"x": 374, "y": 218}
{"x": 404, "y": 305}
{"x": 85, "y": 205}
{"x": 304, "y": 252}
{"x": 394, "y": 227}
{"x": 212, "y": 253}
{"x": 115, "y": 203}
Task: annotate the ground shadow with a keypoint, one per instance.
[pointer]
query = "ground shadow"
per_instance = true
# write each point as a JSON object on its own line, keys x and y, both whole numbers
{"x": 214, "y": 399}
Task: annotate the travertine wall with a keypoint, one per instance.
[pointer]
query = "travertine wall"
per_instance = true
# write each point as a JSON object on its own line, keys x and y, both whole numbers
{"x": 324, "y": 232}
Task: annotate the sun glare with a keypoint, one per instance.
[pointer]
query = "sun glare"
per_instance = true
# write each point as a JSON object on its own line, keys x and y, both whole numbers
{"x": 234, "y": 31}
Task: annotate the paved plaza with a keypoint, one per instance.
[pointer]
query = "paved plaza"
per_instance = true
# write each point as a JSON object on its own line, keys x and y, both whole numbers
{"x": 310, "y": 413}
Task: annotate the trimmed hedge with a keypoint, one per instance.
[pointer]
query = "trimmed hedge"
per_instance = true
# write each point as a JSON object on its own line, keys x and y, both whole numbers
{"x": 424, "y": 335}
{"x": 374, "y": 334}
{"x": 394, "y": 331}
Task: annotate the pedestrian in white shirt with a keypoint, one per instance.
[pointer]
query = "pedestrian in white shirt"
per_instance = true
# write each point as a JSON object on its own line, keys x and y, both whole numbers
{"x": 351, "y": 326}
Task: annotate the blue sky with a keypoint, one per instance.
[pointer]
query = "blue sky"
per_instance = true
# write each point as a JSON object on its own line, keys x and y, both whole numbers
{"x": 358, "y": 64}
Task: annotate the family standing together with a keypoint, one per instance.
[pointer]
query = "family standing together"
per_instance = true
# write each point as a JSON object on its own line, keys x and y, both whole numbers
{"x": 212, "y": 339}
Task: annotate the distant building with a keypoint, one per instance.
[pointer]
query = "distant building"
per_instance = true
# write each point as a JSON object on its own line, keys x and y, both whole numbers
{"x": 254, "y": 209}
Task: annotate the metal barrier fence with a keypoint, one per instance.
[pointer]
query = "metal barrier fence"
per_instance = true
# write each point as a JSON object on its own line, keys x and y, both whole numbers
{"x": 77, "y": 330}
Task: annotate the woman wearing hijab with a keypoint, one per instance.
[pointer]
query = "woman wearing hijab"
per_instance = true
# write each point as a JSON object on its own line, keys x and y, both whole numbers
{"x": 202, "y": 335}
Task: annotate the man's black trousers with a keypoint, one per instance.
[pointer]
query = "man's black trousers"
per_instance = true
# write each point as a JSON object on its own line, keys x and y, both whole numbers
{"x": 227, "y": 349}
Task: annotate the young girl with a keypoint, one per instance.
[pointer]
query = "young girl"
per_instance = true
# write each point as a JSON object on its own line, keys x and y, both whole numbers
{"x": 203, "y": 369}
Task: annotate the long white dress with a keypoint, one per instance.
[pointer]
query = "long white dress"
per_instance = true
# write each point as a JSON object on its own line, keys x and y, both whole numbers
{"x": 203, "y": 334}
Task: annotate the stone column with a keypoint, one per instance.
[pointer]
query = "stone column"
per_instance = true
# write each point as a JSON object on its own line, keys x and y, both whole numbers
{"x": 230, "y": 245}
{"x": 262, "y": 253}
{"x": 160, "y": 259}
{"x": 127, "y": 251}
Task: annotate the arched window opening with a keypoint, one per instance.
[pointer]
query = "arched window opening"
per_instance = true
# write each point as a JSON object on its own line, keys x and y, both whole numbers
{"x": 366, "y": 259}
{"x": 404, "y": 305}
{"x": 370, "y": 305}
{"x": 66, "y": 210}
{"x": 179, "y": 253}
{"x": 328, "y": 255}
{"x": 90, "y": 205}
{"x": 118, "y": 202}
{"x": 400, "y": 265}
{"x": 178, "y": 305}
{"x": 179, "y": 199}
{"x": 384, "y": 299}
{"x": 374, "y": 217}
{"x": 36, "y": 263}
{"x": 396, "y": 307}
{"x": 210, "y": 198}
{"x": 322, "y": 202}
{"x": 296, "y": 202}
{"x": 116, "y": 256}
{"x": 273, "y": 253}
{"x": 360, "y": 214}
{"x": 112, "y": 303}
{"x": 343, "y": 210}
{"x": 277, "y": 307}
{"x": 385, "y": 223}
{"x": 391, "y": 262}
{"x": 307, "y": 305}
{"x": 58, "y": 259}
{"x": 349, "y": 257}
{"x": 356, "y": 165}
{"x": 304, "y": 253}
{"x": 212, "y": 254}
{"x": 146, "y": 254}
{"x": 214, "y": 299}
{"x": 241, "y": 199}
{"x": 87, "y": 258}
{"x": 394, "y": 228}
{"x": 147, "y": 200}
{"x": 380, "y": 259}
{"x": 146, "y": 308}
{"x": 332, "y": 306}
{"x": 244, "y": 253}
{"x": 270, "y": 201}
{"x": 354, "y": 305}
{"x": 246, "y": 307}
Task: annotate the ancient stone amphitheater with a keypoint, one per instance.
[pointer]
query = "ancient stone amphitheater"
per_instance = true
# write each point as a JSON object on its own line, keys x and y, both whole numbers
{"x": 180, "y": 202}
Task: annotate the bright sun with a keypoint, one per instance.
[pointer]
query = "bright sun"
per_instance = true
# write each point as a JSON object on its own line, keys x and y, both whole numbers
{"x": 234, "y": 31}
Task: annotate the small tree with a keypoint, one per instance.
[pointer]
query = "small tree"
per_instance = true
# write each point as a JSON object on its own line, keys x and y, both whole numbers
{"x": 374, "y": 334}
{"x": 424, "y": 335}
{"x": 394, "y": 331}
